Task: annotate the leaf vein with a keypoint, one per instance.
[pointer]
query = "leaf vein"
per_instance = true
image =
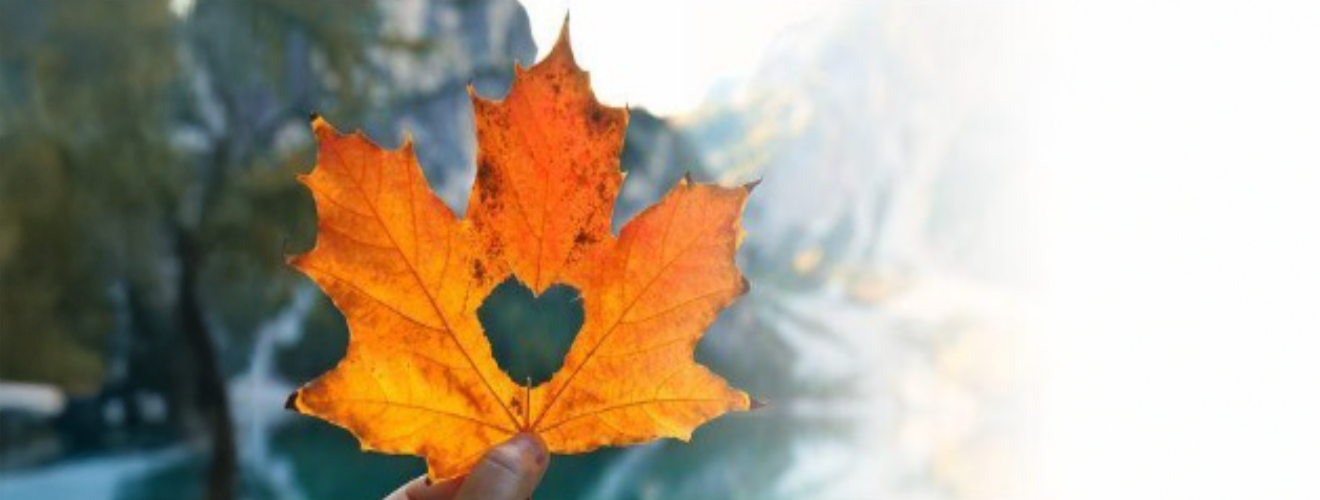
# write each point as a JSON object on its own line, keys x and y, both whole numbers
{"x": 427, "y": 409}
{"x": 439, "y": 311}
{"x": 578, "y": 369}
{"x": 629, "y": 404}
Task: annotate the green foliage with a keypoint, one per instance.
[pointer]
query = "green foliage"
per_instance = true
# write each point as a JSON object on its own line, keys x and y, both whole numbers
{"x": 96, "y": 183}
{"x": 80, "y": 168}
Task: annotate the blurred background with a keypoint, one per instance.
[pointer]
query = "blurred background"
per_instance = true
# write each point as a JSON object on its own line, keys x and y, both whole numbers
{"x": 150, "y": 329}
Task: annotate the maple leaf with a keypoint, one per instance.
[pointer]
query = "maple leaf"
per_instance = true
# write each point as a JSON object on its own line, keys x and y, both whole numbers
{"x": 419, "y": 376}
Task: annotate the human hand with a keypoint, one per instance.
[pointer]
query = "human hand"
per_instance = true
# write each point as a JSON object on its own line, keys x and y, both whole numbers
{"x": 509, "y": 471}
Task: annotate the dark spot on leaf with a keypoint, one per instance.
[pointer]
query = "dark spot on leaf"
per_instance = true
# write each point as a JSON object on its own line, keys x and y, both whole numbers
{"x": 585, "y": 238}
{"x": 597, "y": 119}
{"x": 478, "y": 271}
{"x": 488, "y": 180}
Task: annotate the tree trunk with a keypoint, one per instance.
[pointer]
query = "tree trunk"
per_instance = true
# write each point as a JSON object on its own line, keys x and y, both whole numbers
{"x": 212, "y": 396}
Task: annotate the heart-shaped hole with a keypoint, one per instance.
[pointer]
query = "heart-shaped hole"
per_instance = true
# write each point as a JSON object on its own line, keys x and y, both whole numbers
{"x": 530, "y": 335}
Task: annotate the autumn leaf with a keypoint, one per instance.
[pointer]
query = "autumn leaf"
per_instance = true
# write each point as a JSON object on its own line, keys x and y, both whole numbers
{"x": 419, "y": 376}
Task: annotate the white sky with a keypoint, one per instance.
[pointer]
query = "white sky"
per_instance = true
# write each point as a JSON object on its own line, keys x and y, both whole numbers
{"x": 1177, "y": 145}
{"x": 665, "y": 55}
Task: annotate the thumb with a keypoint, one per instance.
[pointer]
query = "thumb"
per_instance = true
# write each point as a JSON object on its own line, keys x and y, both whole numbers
{"x": 509, "y": 471}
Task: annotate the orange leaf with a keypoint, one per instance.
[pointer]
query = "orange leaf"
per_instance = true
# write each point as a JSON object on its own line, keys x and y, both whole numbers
{"x": 419, "y": 376}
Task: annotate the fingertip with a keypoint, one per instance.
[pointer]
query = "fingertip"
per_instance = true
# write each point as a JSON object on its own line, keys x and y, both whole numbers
{"x": 539, "y": 451}
{"x": 524, "y": 449}
{"x": 509, "y": 471}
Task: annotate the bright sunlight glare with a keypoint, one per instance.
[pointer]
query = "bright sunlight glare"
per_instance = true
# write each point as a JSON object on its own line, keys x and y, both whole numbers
{"x": 1175, "y": 143}
{"x": 665, "y": 56}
